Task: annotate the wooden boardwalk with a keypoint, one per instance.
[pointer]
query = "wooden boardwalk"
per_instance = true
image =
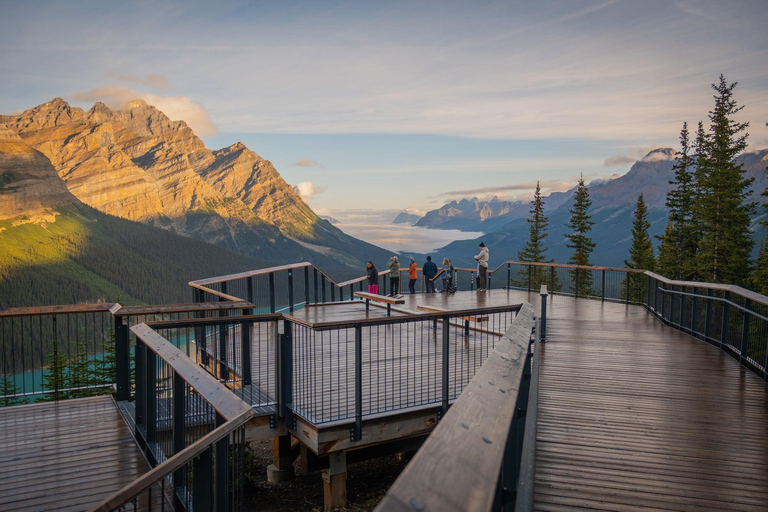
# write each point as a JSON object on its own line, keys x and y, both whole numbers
{"x": 68, "y": 455}
{"x": 634, "y": 415}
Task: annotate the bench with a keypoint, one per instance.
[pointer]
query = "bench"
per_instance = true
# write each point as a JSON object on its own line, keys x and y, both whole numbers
{"x": 467, "y": 319}
{"x": 389, "y": 301}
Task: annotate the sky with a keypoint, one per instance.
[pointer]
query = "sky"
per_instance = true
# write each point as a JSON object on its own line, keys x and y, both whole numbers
{"x": 376, "y": 107}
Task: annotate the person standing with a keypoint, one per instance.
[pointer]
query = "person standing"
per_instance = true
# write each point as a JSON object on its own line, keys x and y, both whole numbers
{"x": 373, "y": 278}
{"x": 429, "y": 271}
{"x": 447, "y": 270}
{"x": 412, "y": 276}
{"x": 394, "y": 275}
{"x": 482, "y": 267}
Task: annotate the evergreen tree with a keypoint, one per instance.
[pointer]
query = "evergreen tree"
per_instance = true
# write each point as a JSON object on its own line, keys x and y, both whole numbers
{"x": 534, "y": 248}
{"x": 580, "y": 224}
{"x": 640, "y": 253}
{"x": 8, "y": 392}
{"x": 760, "y": 275}
{"x": 55, "y": 378}
{"x": 679, "y": 244}
{"x": 723, "y": 208}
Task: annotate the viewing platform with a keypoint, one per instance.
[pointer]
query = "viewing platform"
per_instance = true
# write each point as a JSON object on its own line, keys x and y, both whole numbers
{"x": 652, "y": 404}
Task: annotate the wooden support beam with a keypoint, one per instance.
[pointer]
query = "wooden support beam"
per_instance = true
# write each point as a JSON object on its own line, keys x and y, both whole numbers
{"x": 335, "y": 482}
{"x": 281, "y": 469}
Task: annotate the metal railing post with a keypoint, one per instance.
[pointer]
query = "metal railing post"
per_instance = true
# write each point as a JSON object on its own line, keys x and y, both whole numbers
{"x": 629, "y": 285}
{"x": 445, "y": 369}
{"x": 221, "y": 469}
{"x": 249, "y": 288}
{"x": 745, "y": 332}
{"x": 681, "y": 316}
{"x": 314, "y": 272}
{"x": 141, "y": 394}
{"x": 529, "y": 277}
{"x": 150, "y": 382}
{"x": 357, "y": 429}
{"x": 202, "y": 483}
{"x": 724, "y": 330}
{"x": 290, "y": 290}
{"x": 543, "y": 316}
{"x": 695, "y": 310}
{"x": 122, "y": 360}
{"x": 272, "y": 307}
{"x": 285, "y": 393}
{"x": 245, "y": 352}
{"x": 306, "y": 285}
{"x": 552, "y": 278}
{"x": 648, "y": 292}
{"x": 708, "y": 315}
{"x": 576, "y": 284}
{"x": 602, "y": 291}
{"x": 663, "y": 303}
{"x": 179, "y": 413}
{"x": 223, "y": 370}
{"x": 509, "y": 276}
{"x": 471, "y": 280}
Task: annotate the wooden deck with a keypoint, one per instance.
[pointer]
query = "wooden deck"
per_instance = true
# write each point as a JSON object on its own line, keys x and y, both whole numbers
{"x": 65, "y": 456}
{"x": 634, "y": 415}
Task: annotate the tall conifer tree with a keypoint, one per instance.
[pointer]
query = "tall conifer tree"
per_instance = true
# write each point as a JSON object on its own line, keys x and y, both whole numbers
{"x": 640, "y": 253}
{"x": 534, "y": 248}
{"x": 680, "y": 241}
{"x": 760, "y": 275}
{"x": 580, "y": 224}
{"x": 723, "y": 208}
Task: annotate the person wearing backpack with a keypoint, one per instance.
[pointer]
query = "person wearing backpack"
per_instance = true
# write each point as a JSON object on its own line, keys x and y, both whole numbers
{"x": 447, "y": 270}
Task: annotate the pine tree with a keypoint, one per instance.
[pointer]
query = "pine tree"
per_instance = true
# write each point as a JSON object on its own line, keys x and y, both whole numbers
{"x": 723, "y": 208}
{"x": 55, "y": 378}
{"x": 580, "y": 224}
{"x": 760, "y": 274}
{"x": 679, "y": 244}
{"x": 640, "y": 253}
{"x": 9, "y": 392}
{"x": 534, "y": 248}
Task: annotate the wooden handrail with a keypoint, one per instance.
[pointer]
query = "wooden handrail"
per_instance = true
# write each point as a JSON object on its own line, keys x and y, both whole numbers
{"x": 748, "y": 294}
{"x": 250, "y": 273}
{"x": 564, "y": 265}
{"x": 219, "y": 396}
{"x": 61, "y": 310}
{"x": 191, "y": 307}
{"x": 217, "y": 293}
{"x": 150, "y": 478}
{"x": 408, "y": 317}
{"x": 469, "y": 442}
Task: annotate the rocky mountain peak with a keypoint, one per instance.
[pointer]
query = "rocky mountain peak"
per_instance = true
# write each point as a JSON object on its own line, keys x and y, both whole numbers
{"x": 659, "y": 155}
{"x": 55, "y": 113}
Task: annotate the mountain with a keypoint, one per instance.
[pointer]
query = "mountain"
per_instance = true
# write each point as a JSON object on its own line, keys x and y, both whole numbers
{"x": 613, "y": 205}
{"x": 137, "y": 164}
{"x": 57, "y": 250}
{"x": 476, "y": 215}
{"x": 405, "y": 217}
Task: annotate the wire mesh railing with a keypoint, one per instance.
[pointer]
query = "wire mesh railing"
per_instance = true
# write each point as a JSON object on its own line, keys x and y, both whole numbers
{"x": 190, "y": 427}
{"x": 56, "y": 352}
{"x": 355, "y": 369}
{"x": 729, "y": 317}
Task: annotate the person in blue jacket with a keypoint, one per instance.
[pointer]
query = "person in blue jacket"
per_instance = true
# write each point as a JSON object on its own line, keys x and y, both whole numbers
{"x": 429, "y": 271}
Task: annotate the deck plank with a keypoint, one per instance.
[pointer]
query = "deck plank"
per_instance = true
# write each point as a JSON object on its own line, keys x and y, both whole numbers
{"x": 635, "y": 415}
{"x": 65, "y": 455}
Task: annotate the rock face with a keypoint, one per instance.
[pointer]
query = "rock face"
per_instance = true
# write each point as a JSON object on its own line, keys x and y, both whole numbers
{"x": 30, "y": 190}
{"x": 473, "y": 214}
{"x": 137, "y": 164}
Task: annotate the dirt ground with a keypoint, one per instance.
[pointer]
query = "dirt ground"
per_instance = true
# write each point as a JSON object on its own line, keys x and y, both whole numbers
{"x": 367, "y": 483}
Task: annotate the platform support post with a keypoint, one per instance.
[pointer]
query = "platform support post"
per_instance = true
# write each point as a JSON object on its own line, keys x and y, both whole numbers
{"x": 281, "y": 469}
{"x": 335, "y": 482}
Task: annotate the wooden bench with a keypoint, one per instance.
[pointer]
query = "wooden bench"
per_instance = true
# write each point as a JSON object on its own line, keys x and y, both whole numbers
{"x": 389, "y": 301}
{"x": 467, "y": 319}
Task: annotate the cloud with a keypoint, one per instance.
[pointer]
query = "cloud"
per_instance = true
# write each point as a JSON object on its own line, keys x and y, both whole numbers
{"x": 306, "y": 162}
{"x": 306, "y": 190}
{"x": 154, "y": 81}
{"x": 177, "y": 108}
{"x": 658, "y": 156}
{"x": 618, "y": 161}
{"x": 551, "y": 186}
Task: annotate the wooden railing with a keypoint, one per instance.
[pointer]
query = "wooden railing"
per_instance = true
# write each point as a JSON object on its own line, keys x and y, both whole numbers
{"x": 204, "y": 474}
{"x": 472, "y": 459}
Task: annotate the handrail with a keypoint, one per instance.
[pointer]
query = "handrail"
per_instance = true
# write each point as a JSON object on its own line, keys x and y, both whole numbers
{"x": 411, "y": 317}
{"x": 63, "y": 309}
{"x": 150, "y": 478}
{"x": 191, "y": 307}
{"x": 749, "y": 294}
{"x": 565, "y": 265}
{"x": 478, "y": 422}
{"x": 219, "y": 396}
{"x": 251, "y": 273}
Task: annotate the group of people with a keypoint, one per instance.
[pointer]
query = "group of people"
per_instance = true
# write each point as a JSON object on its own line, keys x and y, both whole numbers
{"x": 429, "y": 270}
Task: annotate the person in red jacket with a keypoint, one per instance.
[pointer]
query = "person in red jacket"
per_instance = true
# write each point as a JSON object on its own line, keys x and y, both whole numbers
{"x": 412, "y": 276}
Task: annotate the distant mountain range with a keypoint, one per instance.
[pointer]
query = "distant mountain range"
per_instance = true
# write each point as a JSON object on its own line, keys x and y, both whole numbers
{"x": 64, "y": 170}
{"x": 613, "y": 205}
